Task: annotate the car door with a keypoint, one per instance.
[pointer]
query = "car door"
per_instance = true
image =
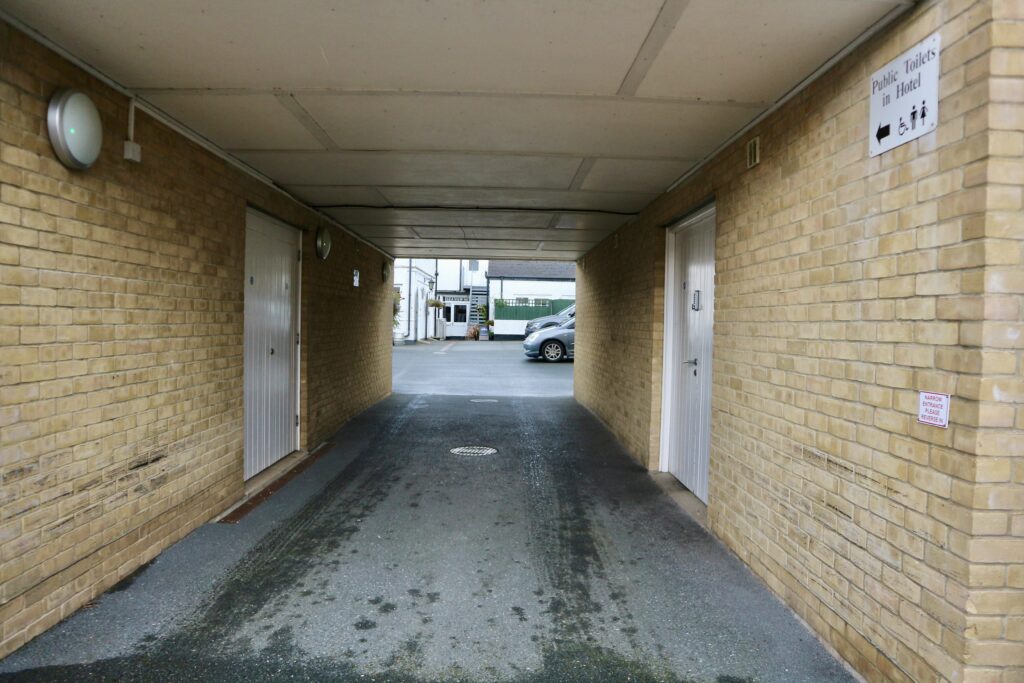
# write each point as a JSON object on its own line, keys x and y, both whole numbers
{"x": 570, "y": 338}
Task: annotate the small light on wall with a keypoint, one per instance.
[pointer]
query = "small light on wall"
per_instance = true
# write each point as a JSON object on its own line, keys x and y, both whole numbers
{"x": 355, "y": 278}
{"x": 323, "y": 242}
{"x": 76, "y": 131}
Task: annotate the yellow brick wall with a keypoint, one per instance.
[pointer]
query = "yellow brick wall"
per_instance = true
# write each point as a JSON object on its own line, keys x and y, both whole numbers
{"x": 844, "y": 285}
{"x": 992, "y": 307}
{"x": 347, "y": 355}
{"x": 614, "y": 308}
{"x": 121, "y": 343}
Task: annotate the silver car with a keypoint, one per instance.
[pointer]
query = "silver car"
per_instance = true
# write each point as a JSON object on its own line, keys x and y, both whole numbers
{"x": 552, "y": 343}
{"x": 550, "y": 320}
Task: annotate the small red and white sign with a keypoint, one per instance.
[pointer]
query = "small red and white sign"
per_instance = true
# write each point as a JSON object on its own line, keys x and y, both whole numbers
{"x": 933, "y": 409}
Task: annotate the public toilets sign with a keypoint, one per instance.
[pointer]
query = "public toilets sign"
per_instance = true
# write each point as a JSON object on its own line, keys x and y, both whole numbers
{"x": 905, "y": 97}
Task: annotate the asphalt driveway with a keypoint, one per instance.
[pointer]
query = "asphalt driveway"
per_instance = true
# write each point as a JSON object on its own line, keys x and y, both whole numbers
{"x": 466, "y": 368}
{"x": 555, "y": 558}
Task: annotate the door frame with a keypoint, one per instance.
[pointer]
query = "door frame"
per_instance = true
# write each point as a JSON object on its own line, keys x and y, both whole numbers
{"x": 297, "y": 315}
{"x": 671, "y": 389}
{"x": 456, "y": 300}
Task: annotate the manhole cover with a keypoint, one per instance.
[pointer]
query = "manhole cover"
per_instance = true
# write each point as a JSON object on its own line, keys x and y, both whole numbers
{"x": 483, "y": 400}
{"x": 474, "y": 450}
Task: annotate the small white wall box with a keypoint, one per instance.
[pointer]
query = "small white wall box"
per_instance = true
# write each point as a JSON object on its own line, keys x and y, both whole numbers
{"x": 355, "y": 278}
{"x": 132, "y": 151}
{"x": 76, "y": 131}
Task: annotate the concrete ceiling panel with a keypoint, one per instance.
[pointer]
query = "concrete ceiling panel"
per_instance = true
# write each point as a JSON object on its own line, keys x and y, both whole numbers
{"x": 436, "y": 232}
{"x": 405, "y": 169}
{"x": 389, "y": 242}
{"x": 579, "y": 247}
{"x": 238, "y": 121}
{"x": 445, "y": 252}
{"x": 584, "y": 126}
{"x": 523, "y": 46}
{"x": 338, "y": 194}
{"x": 633, "y": 175}
{"x": 566, "y": 238}
{"x": 442, "y": 217}
{"x": 549, "y": 235}
{"x": 373, "y": 232}
{"x": 516, "y": 198}
{"x": 743, "y": 50}
{"x": 589, "y": 221}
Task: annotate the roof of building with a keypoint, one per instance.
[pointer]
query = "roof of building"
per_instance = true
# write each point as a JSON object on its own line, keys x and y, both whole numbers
{"x": 532, "y": 270}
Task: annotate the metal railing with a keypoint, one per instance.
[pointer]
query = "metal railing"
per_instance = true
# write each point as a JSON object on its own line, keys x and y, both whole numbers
{"x": 528, "y": 309}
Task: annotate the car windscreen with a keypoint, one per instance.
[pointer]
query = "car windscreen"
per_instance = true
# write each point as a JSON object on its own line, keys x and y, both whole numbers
{"x": 566, "y": 310}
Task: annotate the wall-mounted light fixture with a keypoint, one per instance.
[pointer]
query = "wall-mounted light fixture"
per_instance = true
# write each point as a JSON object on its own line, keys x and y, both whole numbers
{"x": 76, "y": 131}
{"x": 323, "y": 242}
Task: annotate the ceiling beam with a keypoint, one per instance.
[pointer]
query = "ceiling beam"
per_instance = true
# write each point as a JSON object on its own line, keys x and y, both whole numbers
{"x": 499, "y": 94}
{"x": 445, "y": 207}
{"x": 307, "y": 121}
{"x": 461, "y": 152}
{"x": 661, "y": 29}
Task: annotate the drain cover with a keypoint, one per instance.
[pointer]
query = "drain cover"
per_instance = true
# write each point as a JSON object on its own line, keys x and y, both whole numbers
{"x": 474, "y": 450}
{"x": 483, "y": 400}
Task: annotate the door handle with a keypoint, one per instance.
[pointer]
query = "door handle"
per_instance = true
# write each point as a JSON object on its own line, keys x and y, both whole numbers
{"x": 692, "y": 362}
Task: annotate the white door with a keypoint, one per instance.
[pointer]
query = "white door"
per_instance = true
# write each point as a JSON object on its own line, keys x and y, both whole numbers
{"x": 690, "y": 314}
{"x": 271, "y": 341}
{"x": 456, "y": 315}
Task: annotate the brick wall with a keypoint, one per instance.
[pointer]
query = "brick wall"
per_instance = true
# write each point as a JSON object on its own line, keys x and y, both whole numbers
{"x": 121, "y": 343}
{"x": 991, "y": 307}
{"x": 613, "y": 306}
{"x": 844, "y": 285}
{"x": 347, "y": 355}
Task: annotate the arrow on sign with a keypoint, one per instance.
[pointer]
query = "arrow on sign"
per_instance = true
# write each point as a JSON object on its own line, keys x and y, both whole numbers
{"x": 883, "y": 132}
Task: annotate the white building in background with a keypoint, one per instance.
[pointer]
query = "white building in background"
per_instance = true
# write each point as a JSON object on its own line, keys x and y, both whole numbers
{"x": 414, "y": 282}
{"x": 456, "y": 275}
{"x": 461, "y": 284}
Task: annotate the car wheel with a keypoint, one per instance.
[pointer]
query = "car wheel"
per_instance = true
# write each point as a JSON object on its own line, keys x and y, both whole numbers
{"x": 552, "y": 352}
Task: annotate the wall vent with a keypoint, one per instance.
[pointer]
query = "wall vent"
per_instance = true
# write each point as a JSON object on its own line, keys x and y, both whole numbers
{"x": 754, "y": 152}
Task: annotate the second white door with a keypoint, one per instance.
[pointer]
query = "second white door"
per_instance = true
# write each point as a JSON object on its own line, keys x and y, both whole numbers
{"x": 690, "y": 322}
{"x": 271, "y": 341}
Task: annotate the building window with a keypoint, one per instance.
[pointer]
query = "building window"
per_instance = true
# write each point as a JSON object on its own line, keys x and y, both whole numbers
{"x": 460, "y": 314}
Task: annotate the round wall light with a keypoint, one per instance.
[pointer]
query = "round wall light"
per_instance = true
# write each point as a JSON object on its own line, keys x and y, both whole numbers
{"x": 323, "y": 242}
{"x": 385, "y": 271}
{"x": 76, "y": 131}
